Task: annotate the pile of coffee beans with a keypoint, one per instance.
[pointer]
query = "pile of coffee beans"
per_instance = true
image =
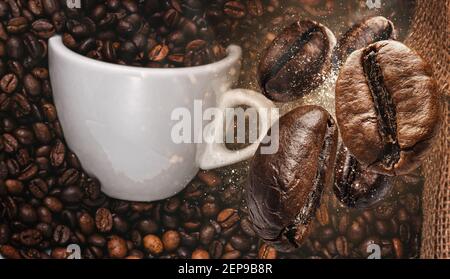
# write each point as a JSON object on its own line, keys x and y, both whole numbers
{"x": 48, "y": 202}
{"x": 158, "y": 34}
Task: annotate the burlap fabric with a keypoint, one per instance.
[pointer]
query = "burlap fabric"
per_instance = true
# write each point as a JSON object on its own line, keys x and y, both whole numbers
{"x": 429, "y": 36}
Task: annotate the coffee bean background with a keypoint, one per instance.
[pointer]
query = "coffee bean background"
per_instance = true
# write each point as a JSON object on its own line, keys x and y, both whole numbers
{"x": 48, "y": 202}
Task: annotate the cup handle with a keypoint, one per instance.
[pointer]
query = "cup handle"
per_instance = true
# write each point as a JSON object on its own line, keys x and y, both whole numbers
{"x": 213, "y": 153}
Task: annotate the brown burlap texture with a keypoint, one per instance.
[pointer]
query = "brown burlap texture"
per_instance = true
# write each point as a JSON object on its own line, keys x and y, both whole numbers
{"x": 429, "y": 36}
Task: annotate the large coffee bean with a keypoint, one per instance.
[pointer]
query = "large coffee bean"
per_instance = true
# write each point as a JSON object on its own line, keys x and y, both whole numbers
{"x": 285, "y": 188}
{"x": 355, "y": 186}
{"x": 297, "y": 61}
{"x": 387, "y": 107}
{"x": 363, "y": 34}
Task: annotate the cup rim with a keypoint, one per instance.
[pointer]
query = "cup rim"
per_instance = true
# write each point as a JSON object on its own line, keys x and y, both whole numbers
{"x": 55, "y": 45}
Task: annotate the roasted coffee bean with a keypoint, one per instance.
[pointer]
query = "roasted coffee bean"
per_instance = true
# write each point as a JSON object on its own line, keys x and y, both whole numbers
{"x": 153, "y": 244}
{"x": 57, "y": 153}
{"x": 267, "y": 252}
{"x": 9, "y": 83}
{"x": 30, "y": 237}
{"x": 234, "y": 9}
{"x": 53, "y": 204}
{"x": 97, "y": 240}
{"x": 71, "y": 194}
{"x": 171, "y": 240}
{"x": 247, "y": 227}
{"x": 14, "y": 187}
{"x": 5, "y": 234}
{"x": 297, "y": 61}
{"x": 117, "y": 247}
{"x": 69, "y": 177}
{"x": 147, "y": 226}
{"x": 216, "y": 249}
{"x": 232, "y": 255}
{"x": 17, "y": 25}
{"x": 103, "y": 220}
{"x": 385, "y": 210}
{"x": 387, "y": 107}
{"x": 86, "y": 223}
{"x": 120, "y": 224}
{"x": 210, "y": 178}
{"x": 342, "y": 246}
{"x": 355, "y": 186}
{"x": 43, "y": 28}
{"x": 240, "y": 243}
{"x": 281, "y": 206}
{"x": 38, "y": 188}
{"x": 363, "y": 34}
{"x": 207, "y": 234}
{"x": 27, "y": 214}
{"x": 44, "y": 214}
{"x": 61, "y": 234}
{"x": 228, "y": 218}
{"x": 356, "y": 232}
{"x": 200, "y": 254}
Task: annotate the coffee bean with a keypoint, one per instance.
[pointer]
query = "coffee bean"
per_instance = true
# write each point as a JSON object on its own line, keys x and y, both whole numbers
{"x": 297, "y": 61}
{"x": 44, "y": 214}
{"x": 43, "y": 28}
{"x": 50, "y": 6}
{"x": 147, "y": 226}
{"x": 209, "y": 178}
{"x": 103, "y": 220}
{"x": 356, "y": 232}
{"x": 363, "y": 34}
{"x": 240, "y": 243}
{"x": 53, "y": 204}
{"x": 232, "y": 255}
{"x": 281, "y": 210}
{"x": 9, "y": 252}
{"x": 27, "y": 214}
{"x": 234, "y": 9}
{"x": 200, "y": 254}
{"x": 5, "y": 234}
{"x": 342, "y": 246}
{"x": 61, "y": 234}
{"x": 86, "y": 223}
{"x": 153, "y": 244}
{"x": 216, "y": 249}
{"x": 267, "y": 252}
{"x": 71, "y": 194}
{"x": 247, "y": 227}
{"x": 57, "y": 154}
{"x": 355, "y": 186}
{"x": 385, "y": 210}
{"x": 38, "y": 188}
{"x": 97, "y": 240}
{"x": 158, "y": 53}
{"x": 120, "y": 224}
{"x": 255, "y": 8}
{"x": 171, "y": 240}
{"x": 117, "y": 247}
{"x": 377, "y": 78}
{"x": 30, "y": 237}
{"x": 14, "y": 187}
{"x": 60, "y": 253}
{"x": 69, "y": 177}
{"x": 9, "y": 83}
{"x": 228, "y": 218}
{"x": 17, "y": 25}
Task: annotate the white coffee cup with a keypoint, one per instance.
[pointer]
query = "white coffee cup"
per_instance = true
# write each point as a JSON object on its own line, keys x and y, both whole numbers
{"x": 117, "y": 119}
